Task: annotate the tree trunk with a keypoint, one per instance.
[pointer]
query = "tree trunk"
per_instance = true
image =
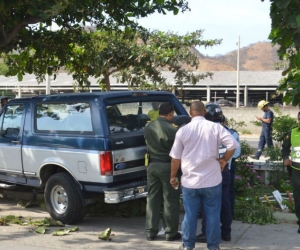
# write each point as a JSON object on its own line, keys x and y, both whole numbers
{"x": 107, "y": 82}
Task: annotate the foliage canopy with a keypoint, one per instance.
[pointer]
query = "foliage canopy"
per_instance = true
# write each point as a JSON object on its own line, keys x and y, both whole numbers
{"x": 17, "y": 17}
{"x": 285, "y": 17}
{"x": 135, "y": 57}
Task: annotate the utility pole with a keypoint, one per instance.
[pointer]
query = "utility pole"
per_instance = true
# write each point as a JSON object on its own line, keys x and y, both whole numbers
{"x": 238, "y": 76}
{"x": 47, "y": 75}
{"x": 47, "y": 84}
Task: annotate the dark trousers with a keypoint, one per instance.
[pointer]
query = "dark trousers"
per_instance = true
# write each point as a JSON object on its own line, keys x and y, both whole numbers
{"x": 296, "y": 192}
{"x": 264, "y": 138}
{"x": 226, "y": 213}
{"x": 232, "y": 190}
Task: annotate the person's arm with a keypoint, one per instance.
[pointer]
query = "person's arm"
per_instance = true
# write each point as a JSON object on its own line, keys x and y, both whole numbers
{"x": 226, "y": 157}
{"x": 175, "y": 164}
{"x": 229, "y": 142}
{"x": 268, "y": 119}
{"x": 286, "y": 150}
{"x": 265, "y": 120}
{"x": 238, "y": 150}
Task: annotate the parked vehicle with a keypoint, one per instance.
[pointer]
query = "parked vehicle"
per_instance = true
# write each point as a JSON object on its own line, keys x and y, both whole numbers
{"x": 74, "y": 145}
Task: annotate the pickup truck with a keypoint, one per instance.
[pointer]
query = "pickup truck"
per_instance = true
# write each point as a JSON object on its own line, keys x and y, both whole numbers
{"x": 74, "y": 145}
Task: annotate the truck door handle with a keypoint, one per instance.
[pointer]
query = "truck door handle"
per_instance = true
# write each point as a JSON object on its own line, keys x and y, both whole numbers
{"x": 16, "y": 142}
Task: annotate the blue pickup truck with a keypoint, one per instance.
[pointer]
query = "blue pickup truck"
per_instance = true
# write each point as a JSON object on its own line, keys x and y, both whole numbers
{"x": 74, "y": 145}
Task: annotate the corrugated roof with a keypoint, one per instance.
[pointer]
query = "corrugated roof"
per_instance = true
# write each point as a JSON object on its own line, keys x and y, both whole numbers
{"x": 220, "y": 78}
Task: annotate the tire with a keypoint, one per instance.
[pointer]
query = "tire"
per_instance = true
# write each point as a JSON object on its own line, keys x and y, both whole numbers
{"x": 63, "y": 199}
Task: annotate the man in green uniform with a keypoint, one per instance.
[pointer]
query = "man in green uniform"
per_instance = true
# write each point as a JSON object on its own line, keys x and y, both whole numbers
{"x": 159, "y": 136}
{"x": 291, "y": 147}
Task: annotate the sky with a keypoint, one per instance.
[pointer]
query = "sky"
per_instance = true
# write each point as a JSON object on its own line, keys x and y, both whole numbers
{"x": 220, "y": 19}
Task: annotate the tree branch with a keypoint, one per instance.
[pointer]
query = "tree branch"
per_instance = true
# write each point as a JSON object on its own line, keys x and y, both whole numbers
{"x": 7, "y": 37}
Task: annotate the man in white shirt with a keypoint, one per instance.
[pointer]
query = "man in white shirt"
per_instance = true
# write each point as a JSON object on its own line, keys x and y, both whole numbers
{"x": 196, "y": 149}
{"x": 215, "y": 114}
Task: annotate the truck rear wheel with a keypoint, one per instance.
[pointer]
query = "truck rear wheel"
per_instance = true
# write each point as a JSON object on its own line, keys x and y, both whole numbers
{"x": 63, "y": 199}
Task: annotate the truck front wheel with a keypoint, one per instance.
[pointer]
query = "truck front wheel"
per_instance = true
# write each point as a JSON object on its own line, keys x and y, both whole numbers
{"x": 63, "y": 199}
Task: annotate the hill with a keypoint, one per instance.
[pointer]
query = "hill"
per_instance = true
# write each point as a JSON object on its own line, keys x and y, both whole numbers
{"x": 261, "y": 56}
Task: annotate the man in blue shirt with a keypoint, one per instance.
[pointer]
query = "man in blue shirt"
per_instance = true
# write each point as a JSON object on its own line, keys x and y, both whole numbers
{"x": 266, "y": 131}
{"x": 231, "y": 163}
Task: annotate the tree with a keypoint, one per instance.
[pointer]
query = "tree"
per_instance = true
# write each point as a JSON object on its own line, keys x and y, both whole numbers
{"x": 25, "y": 23}
{"x": 285, "y": 16}
{"x": 16, "y": 16}
{"x": 100, "y": 54}
{"x": 167, "y": 51}
{"x": 136, "y": 58}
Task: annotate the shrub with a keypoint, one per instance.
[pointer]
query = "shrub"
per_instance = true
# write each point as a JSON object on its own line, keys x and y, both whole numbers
{"x": 3, "y": 68}
{"x": 282, "y": 125}
{"x": 290, "y": 205}
{"x": 245, "y": 176}
{"x": 234, "y": 124}
{"x": 245, "y": 131}
{"x": 285, "y": 185}
{"x": 252, "y": 211}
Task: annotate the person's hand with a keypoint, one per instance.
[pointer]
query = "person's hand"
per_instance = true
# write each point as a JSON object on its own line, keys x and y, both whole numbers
{"x": 287, "y": 162}
{"x": 222, "y": 163}
{"x": 258, "y": 118}
{"x": 174, "y": 182}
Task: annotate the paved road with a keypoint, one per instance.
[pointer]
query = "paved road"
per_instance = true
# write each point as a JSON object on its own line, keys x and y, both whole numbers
{"x": 129, "y": 234}
{"x": 252, "y": 140}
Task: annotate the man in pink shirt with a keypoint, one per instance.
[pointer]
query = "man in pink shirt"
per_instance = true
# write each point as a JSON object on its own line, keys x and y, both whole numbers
{"x": 196, "y": 149}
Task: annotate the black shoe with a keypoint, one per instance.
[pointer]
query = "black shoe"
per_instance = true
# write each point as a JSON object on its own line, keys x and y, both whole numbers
{"x": 177, "y": 236}
{"x": 182, "y": 247}
{"x": 226, "y": 237}
{"x": 150, "y": 238}
{"x": 254, "y": 157}
{"x": 299, "y": 230}
{"x": 201, "y": 238}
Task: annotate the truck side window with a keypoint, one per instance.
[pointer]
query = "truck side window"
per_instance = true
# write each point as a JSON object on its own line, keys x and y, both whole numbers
{"x": 65, "y": 117}
{"x": 12, "y": 120}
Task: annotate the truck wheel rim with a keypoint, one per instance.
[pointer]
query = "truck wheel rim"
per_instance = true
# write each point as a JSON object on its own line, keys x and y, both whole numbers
{"x": 59, "y": 199}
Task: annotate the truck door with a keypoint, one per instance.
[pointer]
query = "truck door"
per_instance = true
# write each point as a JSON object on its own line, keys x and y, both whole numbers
{"x": 12, "y": 119}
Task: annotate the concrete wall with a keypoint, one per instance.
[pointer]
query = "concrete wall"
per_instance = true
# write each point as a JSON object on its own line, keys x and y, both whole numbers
{"x": 248, "y": 114}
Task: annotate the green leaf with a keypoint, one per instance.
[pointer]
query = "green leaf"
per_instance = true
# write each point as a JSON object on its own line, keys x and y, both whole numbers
{"x": 175, "y": 11}
{"x": 105, "y": 235}
{"x": 10, "y": 217}
{"x": 298, "y": 20}
{"x": 60, "y": 232}
{"x": 74, "y": 229}
{"x": 287, "y": 99}
{"x": 281, "y": 4}
{"x": 20, "y": 76}
{"x": 40, "y": 230}
{"x": 292, "y": 21}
